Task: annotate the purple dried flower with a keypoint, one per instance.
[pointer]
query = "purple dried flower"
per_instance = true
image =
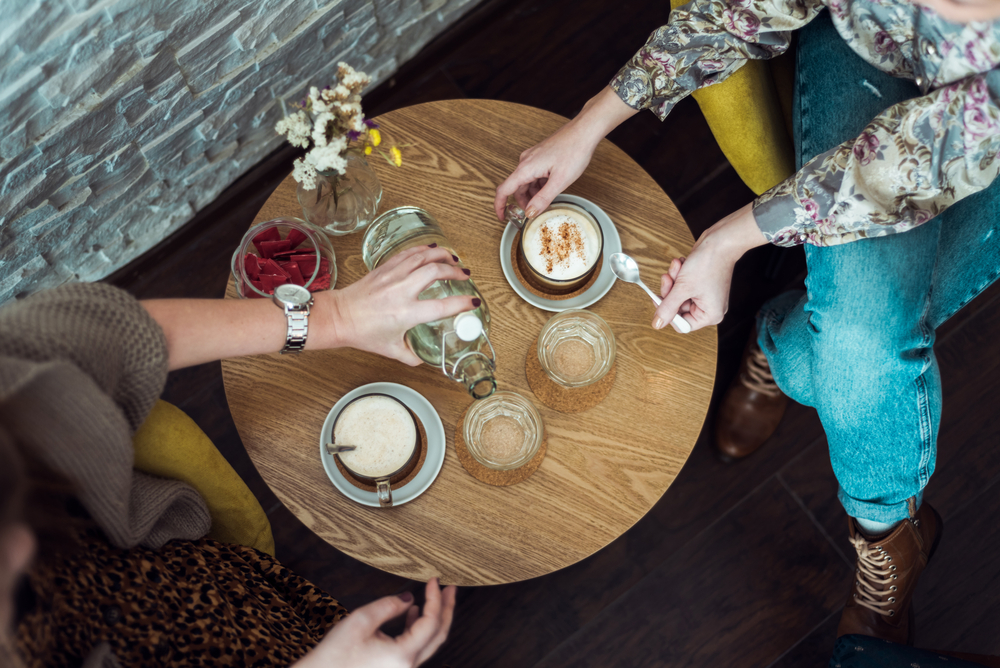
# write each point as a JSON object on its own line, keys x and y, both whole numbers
{"x": 353, "y": 135}
{"x": 371, "y": 124}
{"x": 303, "y": 102}
{"x": 326, "y": 88}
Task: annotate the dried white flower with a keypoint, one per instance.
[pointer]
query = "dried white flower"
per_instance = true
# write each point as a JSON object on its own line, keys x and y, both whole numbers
{"x": 296, "y": 128}
{"x": 340, "y": 93}
{"x": 305, "y": 173}
{"x": 321, "y": 127}
{"x": 351, "y": 78}
{"x": 329, "y": 158}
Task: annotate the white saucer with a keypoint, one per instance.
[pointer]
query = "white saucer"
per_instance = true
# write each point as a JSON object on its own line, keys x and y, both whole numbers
{"x": 435, "y": 445}
{"x": 600, "y": 287}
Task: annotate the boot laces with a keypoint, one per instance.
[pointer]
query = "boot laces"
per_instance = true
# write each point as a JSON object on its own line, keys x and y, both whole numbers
{"x": 758, "y": 376}
{"x": 874, "y": 577}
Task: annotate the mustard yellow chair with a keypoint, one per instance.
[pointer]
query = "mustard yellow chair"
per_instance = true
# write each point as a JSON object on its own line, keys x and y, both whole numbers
{"x": 170, "y": 445}
{"x": 750, "y": 115}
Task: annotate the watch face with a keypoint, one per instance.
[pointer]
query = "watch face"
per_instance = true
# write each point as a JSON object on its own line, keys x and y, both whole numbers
{"x": 295, "y": 295}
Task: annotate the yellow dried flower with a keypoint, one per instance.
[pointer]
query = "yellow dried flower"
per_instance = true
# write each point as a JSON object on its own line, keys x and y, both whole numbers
{"x": 368, "y": 150}
{"x": 375, "y": 136}
{"x": 397, "y": 156}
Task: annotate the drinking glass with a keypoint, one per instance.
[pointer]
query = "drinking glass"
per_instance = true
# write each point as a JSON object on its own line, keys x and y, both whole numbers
{"x": 503, "y": 432}
{"x": 576, "y": 348}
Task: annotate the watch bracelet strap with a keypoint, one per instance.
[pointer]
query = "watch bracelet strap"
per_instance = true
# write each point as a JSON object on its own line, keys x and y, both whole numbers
{"x": 298, "y": 329}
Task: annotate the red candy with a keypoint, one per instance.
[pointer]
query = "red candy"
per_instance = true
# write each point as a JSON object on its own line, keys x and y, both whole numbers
{"x": 279, "y": 263}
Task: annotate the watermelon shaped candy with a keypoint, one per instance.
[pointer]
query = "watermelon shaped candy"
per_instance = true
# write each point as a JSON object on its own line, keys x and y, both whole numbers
{"x": 269, "y": 248}
{"x": 295, "y": 276}
{"x": 251, "y": 265}
{"x": 296, "y": 237}
{"x": 267, "y": 235}
{"x": 269, "y": 282}
{"x": 269, "y": 266}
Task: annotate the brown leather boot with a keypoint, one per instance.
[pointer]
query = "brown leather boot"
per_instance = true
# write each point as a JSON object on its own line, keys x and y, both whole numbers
{"x": 886, "y": 575}
{"x": 752, "y": 406}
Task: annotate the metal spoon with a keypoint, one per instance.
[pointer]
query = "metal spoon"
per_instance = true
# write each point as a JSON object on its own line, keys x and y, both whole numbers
{"x": 625, "y": 268}
{"x": 332, "y": 449}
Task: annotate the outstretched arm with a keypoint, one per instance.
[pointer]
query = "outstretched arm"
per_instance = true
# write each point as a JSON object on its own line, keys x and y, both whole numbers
{"x": 371, "y": 314}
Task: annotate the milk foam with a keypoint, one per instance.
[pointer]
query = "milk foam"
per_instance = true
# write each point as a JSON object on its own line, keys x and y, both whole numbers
{"x": 561, "y": 244}
{"x": 384, "y": 432}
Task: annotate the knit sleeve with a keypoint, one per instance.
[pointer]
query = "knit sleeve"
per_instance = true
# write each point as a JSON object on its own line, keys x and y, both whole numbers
{"x": 100, "y": 329}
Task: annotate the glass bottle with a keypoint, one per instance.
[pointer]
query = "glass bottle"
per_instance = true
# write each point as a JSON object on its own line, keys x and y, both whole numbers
{"x": 459, "y": 346}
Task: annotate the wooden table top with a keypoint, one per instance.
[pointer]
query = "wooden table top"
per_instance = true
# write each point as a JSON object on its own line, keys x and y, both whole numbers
{"x": 605, "y": 467}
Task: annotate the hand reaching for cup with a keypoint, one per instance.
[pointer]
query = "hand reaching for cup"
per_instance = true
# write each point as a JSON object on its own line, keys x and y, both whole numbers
{"x": 548, "y": 168}
{"x": 358, "y": 642}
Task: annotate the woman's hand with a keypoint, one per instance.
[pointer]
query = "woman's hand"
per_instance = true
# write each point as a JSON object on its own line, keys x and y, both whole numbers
{"x": 697, "y": 287}
{"x": 548, "y": 168}
{"x": 374, "y": 313}
{"x": 357, "y": 642}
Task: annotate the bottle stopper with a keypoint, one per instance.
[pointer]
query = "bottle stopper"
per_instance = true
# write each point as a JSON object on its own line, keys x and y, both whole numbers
{"x": 468, "y": 326}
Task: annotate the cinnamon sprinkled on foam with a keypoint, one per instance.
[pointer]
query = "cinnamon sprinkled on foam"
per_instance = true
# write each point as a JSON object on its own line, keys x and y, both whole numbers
{"x": 557, "y": 248}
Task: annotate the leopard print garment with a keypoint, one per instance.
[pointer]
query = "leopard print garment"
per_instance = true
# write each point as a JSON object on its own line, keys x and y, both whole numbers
{"x": 200, "y": 603}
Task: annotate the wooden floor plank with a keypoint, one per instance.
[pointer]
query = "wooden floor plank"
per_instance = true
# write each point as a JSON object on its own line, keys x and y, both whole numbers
{"x": 814, "y": 650}
{"x": 766, "y": 566}
{"x": 957, "y": 604}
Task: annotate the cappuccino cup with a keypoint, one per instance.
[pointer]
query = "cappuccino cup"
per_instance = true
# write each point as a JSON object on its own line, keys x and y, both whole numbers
{"x": 385, "y": 435}
{"x": 560, "y": 248}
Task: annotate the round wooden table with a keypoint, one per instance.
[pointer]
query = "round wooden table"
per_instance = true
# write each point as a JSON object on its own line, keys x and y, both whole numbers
{"x": 605, "y": 467}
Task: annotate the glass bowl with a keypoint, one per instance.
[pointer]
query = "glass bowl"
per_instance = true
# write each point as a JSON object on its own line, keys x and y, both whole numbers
{"x": 310, "y": 251}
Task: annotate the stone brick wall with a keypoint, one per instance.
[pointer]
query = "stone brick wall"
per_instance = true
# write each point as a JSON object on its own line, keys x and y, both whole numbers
{"x": 120, "y": 119}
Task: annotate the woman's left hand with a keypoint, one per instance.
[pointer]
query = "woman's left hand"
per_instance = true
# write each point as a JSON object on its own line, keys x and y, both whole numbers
{"x": 697, "y": 287}
{"x": 375, "y": 312}
{"x": 358, "y": 642}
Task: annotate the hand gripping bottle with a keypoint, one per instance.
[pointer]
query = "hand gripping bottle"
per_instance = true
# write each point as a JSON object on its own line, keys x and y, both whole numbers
{"x": 459, "y": 346}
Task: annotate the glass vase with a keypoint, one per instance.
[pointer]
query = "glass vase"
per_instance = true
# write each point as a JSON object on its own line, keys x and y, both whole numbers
{"x": 358, "y": 193}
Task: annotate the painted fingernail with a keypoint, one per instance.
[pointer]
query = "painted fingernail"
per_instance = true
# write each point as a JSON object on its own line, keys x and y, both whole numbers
{"x": 432, "y": 245}
{"x": 467, "y": 272}
{"x": 476, "y": 301}
{"x": 658, "y": 323}
{"x": 530, "y": 213}
{"x": 455, "y": 258}
{"x": 406, "y": 597}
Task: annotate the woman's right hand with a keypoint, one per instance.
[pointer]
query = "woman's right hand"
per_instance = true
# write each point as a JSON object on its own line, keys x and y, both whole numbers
{"x": 357, "y": 642}
{"x": 548, "y": 168}
{"x": 374, "y": 313}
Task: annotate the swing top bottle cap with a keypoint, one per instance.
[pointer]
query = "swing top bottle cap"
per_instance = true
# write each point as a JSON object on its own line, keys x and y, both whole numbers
{"x": 468, "y": 326}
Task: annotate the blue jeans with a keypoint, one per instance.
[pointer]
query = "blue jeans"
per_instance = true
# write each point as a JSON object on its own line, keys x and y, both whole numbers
{"x": 858, "y": 344}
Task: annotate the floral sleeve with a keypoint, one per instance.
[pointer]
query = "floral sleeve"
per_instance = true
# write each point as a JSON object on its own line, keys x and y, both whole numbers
{"x": 908, "y": 165}
{"x": 705, "y": 42}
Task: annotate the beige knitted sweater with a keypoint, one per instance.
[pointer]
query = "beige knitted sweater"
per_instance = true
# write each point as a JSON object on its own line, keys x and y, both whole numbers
{"x": 80, "y": 368}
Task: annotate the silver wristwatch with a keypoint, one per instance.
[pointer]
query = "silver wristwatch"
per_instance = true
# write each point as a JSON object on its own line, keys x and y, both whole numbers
{"x": 295, "y": 301}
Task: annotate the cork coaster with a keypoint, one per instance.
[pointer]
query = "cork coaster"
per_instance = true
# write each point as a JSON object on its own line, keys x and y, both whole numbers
{"x": 565, "y": 399}
{"x": 492, "y": 476}
{"x": 421, "y": 444}
{"x": 516, "y": 261}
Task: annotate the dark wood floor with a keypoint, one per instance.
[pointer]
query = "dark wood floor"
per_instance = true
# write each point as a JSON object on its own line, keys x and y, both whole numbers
{"x": 742, "y": 564}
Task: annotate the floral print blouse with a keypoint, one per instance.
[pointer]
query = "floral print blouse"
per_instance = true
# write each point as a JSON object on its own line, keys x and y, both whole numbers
{"x": 912, "y": 162}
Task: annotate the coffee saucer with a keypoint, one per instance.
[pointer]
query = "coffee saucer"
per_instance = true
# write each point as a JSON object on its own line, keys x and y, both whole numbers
{"x": 435, "y": 445}
{"x": 605, "y": 279}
